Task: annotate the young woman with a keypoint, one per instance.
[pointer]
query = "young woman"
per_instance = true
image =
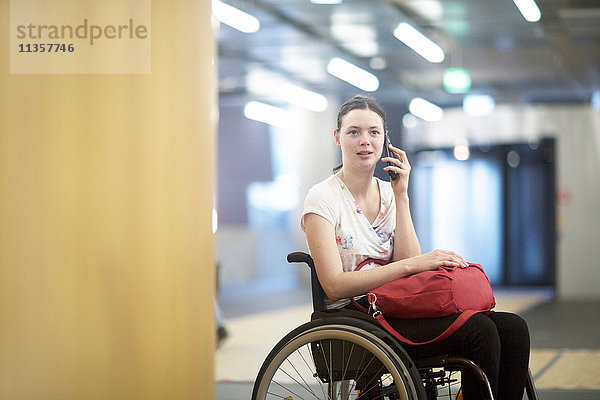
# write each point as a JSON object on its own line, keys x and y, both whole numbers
{"x": 352, "y": 216}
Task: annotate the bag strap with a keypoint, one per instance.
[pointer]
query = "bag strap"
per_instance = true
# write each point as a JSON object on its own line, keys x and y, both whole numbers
{"x": 462, "y": 318}
{"x": 358, "y": 268}
{"x": 377, "y": 261}
{"x": 359, "y": 307}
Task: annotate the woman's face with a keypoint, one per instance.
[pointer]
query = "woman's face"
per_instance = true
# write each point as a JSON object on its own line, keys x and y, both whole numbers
{"x": 361, "y": 138}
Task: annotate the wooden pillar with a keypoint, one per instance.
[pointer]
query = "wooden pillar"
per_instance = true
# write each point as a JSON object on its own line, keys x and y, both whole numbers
{"x": 107, "y": 269}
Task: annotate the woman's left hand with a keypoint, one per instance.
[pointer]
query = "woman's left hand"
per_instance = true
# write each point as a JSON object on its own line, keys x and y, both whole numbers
{"x": 400, "y": 166}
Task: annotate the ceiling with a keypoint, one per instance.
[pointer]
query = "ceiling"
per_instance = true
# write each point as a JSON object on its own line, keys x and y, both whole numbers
{"x": 554, "y": 60}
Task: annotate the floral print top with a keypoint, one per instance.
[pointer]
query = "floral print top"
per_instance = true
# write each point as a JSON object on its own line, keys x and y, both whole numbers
{"x": 356, "y": 238}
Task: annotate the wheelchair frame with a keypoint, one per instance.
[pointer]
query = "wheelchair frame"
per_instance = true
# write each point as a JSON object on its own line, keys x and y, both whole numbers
{"x": 334, "y": 346}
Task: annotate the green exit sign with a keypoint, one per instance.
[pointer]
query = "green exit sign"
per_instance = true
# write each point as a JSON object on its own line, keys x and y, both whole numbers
{"x": 457, "y": 80}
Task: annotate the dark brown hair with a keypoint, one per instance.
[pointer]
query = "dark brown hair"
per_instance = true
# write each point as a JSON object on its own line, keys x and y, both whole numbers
{"x": 359, "y": 102}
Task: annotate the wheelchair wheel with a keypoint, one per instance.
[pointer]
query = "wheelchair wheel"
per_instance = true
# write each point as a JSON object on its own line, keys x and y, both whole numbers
{"x": 337, "y": 358}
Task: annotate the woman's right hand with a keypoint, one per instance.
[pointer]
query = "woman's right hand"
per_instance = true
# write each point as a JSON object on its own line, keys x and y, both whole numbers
{"x": 437, "y": 258}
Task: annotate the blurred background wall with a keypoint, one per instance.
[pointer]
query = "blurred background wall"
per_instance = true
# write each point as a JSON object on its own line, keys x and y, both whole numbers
{"x": 565, "y": 212}
{"x": 576, "y": 159}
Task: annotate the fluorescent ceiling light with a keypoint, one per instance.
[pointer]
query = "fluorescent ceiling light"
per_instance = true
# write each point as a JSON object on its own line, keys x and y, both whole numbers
{"x": 352, "y": 74}
{"x": 430, "y": 9}
{"x": 304, "y": 98}
{"x": 235, "y": 18}
{"x": 461, "y": 149}
{"x": 265, "y": 113}
{"x": 345, "y": 32}
{"x": 529, "y": 10}
{"x": 425, "y": 110}
{"x": 362, "y": 48}
{"x": 275, "y": 87}
{"x": 326, "y": 1}
{"x": 478, "y": 105}
{"x": 419, "y": 43}
{"x": 360, "y": 39}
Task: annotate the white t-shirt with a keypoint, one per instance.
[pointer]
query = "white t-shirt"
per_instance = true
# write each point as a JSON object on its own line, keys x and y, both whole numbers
{"x": 356, "y": 238}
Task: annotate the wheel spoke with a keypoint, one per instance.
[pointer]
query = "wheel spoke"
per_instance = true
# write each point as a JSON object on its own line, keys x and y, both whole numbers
{"x": 338, "y": 359}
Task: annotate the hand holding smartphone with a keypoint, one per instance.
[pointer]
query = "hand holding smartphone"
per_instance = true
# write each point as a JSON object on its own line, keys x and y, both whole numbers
{"x": 393, "y": 175}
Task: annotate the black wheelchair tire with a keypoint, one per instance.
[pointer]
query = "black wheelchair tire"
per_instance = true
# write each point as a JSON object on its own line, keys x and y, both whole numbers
{"x": 375, "y": 340}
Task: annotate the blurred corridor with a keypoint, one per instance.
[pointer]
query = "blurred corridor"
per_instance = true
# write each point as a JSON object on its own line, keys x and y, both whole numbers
{"x": 505, "y": 172}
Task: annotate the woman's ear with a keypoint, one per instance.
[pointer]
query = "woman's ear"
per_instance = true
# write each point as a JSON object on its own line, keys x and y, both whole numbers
{"x": 336, "y": 137}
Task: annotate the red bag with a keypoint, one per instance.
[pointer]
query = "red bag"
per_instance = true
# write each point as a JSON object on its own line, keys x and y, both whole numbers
{"x": 431, "y": 294}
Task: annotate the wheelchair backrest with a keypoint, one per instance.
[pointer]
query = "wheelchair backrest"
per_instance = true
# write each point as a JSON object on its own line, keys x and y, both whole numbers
{"x": 318, "y": 294}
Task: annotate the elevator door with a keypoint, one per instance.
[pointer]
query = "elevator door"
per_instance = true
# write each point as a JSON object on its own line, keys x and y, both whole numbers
{"x": 497, "y": 208}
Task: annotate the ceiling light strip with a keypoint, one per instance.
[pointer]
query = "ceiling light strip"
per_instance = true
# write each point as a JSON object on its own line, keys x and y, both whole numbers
{"x": 262, "y": 112}
{"x": 421, "y": 44}
{"x": 235, "y": 18}
{"x": 352, "y": 74}
{"x": 529, "y": 10}
{"x": 304, "y": 98}
{"x": 425, "y": 110}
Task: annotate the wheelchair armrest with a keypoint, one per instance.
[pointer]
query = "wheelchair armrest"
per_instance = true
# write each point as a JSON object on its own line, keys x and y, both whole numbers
{"x": 298, "y": 257}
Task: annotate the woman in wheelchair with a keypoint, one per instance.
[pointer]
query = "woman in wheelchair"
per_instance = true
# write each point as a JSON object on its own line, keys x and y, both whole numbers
{"x": 352, "y": 216}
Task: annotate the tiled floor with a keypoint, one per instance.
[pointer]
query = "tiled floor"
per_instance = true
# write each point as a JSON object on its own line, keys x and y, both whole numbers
{"x": 565, "y": 358}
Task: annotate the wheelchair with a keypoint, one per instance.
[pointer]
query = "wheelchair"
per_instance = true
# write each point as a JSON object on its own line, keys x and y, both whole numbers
{"x": 345, "y": 354}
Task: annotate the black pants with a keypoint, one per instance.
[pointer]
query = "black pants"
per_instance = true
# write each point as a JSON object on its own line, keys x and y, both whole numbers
{"x": 497, "y": 342}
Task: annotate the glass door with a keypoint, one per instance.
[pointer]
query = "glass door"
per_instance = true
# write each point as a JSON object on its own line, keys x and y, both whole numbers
{"x": 497, "y": 208}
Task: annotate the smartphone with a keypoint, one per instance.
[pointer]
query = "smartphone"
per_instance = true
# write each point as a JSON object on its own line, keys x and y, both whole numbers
{"x": 393, "y": 175}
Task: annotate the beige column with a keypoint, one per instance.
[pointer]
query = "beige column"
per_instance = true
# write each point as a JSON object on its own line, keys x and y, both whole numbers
{"x": 107, "y": 268}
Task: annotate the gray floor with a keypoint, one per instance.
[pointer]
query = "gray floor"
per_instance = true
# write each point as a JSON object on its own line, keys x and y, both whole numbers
{"x": 237, "y": 391}
{"x": 565, "y": 325}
